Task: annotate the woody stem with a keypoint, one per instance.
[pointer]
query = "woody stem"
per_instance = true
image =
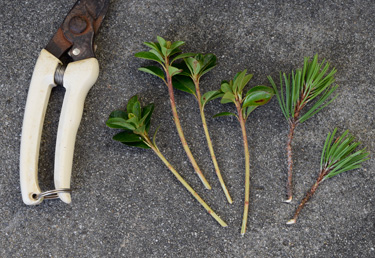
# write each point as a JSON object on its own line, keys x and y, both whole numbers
{"x": 307, "y": 197}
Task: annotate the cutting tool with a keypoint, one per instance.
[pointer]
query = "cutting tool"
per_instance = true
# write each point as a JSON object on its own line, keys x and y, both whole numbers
{"x": 73, "y": 39}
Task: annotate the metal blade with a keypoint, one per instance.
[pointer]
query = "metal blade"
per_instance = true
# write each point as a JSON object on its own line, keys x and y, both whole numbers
{"x": 77, "y": 32}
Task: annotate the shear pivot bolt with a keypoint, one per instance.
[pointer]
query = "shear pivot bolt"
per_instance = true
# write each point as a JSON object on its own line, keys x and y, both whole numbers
{"x": 76, "y": 51}
{"x": 77, "y": 25}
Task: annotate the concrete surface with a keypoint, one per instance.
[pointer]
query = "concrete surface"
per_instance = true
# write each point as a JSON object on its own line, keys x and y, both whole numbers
{"x": 125, "y": 201}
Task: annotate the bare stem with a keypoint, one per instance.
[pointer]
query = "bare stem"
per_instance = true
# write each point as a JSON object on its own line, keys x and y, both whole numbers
{"x": 180, "y": 131}
{"x": 247, "y": 168}
{"x": 307, "y": 197}
{"x": 184, "y": 183}
{"x": 292, "y": 126}
{"x": 209, "y": 142}
{"x": 289, "y": 184}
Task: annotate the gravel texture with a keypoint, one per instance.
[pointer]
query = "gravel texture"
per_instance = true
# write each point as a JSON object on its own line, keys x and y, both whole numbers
{"x": 125, "y": 202}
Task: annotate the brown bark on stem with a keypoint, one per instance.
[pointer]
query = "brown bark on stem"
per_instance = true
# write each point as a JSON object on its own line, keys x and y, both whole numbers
{"x": 308, "y": 196}
{"x": 289, "y": 184}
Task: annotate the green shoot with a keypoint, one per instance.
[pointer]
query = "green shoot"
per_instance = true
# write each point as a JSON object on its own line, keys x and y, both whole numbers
{"x": 232, "y": 92}
{"x": 135, "y": 123}
{"x": 188, "y": 80}
{"x": 165, "y": 53}
{"x": 337, "y": 157}
{"x": 297, "y": 90}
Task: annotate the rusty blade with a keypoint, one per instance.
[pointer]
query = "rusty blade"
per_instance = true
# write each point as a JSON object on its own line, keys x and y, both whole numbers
{"x": 78, "y": 30}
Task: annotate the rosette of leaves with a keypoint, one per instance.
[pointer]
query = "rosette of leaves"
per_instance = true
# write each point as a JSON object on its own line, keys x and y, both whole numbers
{"x": 135, "y": 124}
{"x": 338, "y": 156}
{"x": 165, "y": 53}
{"x": 303, "y": 86}
{"x": 232, "y": 92}
{"x": 188, "y": 81}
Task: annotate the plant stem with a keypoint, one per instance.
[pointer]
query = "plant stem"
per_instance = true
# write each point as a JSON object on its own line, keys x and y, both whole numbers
{"x": 209, "y": 142}
{"x": 247, "y": 168}
{"x": 289, "y": 184}
{"x": 292, "y": 126}
{"x": 180, "y": 131}
{"x": 308, "y": 196}
{"x": 184, "y": 183}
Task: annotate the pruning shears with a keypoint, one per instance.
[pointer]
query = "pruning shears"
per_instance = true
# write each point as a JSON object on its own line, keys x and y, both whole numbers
{"x": 73, "y": 39}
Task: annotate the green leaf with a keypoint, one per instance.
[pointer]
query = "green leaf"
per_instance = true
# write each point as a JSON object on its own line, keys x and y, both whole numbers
{"x": 257, "y": 96}
{"x": 154, "y": 71}
{"x": 183, "y": 83}
{"x": 131, "y": 102}
{"x": 193, "y": 65}
{"x": 140, "y": 130}
{"x": 127, "y": 136}
{"x": 249, "y": 110}
{"x": 183, "y": 56}
{"x": 161, "y": 41}
{"x": 119, "y": 123}
{"x": 119, "y": 113}
{"x": 154, "y": 137}
{"x": 177, "y": 44}
{"x": 174, "y": 52}
{"x": 148, "y": 56}
{"x": 210, "y": 95}
{"x": 237, "y": 81}
{"x": 147, "y": 111}
{"x": 244, "y": 82}
{"x": 137, "y": 144}
{"x": 228, "y": 97}
{"x": 225, "y": 87}
{"x": 173, "y": 71}
{"x": 137, "y": 109}
{"x": 133, "y": 120}
{"x": 159, "y": 55}
{"x": 208, "y": 62}
{"x": 154, "y": 46}
{"x": 225, "y": 114}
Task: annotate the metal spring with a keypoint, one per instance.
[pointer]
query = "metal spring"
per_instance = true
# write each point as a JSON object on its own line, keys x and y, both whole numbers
{"x": 52, "y": 194}
{"x": 59, "y": 74}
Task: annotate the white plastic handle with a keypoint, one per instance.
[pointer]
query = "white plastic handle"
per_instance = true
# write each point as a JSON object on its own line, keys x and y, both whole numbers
{"x": 41, "y": 84}
{"x": 79, "y": 77}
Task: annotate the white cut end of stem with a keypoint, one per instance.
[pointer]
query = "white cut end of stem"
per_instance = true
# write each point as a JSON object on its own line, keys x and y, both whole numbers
{"x": 291, "y": 221}
{"x": 289, "y": 200}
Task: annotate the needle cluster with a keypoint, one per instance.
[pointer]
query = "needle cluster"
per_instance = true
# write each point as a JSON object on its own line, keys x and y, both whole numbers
{"x": 338, "y": 156}
{"x": 314, "y": 82}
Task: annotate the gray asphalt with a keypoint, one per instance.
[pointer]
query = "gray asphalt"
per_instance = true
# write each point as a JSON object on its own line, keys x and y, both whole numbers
{"x": 125, "y": 202}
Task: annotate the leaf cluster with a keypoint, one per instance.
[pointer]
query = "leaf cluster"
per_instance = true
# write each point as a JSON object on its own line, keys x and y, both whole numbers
{"x": 232, "y": 92}
{"x": 339, "y": 156}
{"x": 161, "y": 52}
{"x": 303, "y": 86}
{"x": 135, "y": 122}
{"x": 192, "y": 70}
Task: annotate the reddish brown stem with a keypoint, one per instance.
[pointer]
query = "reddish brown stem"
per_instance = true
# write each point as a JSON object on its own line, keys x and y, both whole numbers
{"x": 308, "y": 196}
{"x": 289, "y": 184}
{"x": 180, "y": 132}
